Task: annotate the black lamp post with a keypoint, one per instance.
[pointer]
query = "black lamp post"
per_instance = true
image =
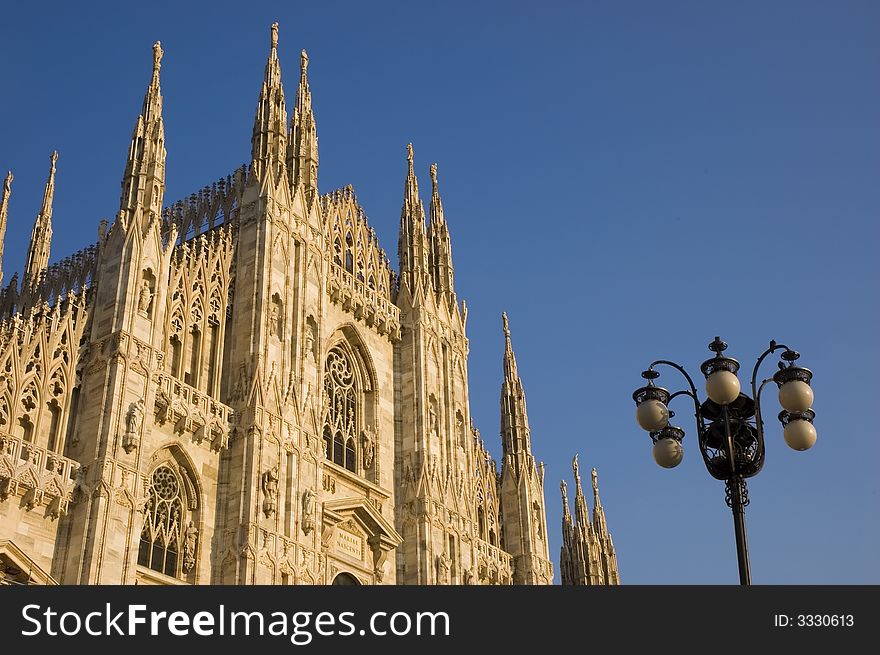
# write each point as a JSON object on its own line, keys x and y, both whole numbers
{"x": 730, "y": 431}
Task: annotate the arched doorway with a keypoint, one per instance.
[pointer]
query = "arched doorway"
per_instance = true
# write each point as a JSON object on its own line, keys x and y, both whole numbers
{"x": 345, "y": 579}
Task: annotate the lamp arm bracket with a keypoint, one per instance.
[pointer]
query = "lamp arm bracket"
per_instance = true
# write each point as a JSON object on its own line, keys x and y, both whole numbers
{"x": 759, "y": 421}
{"x": 773, "y": 347}
{"x": 692, "y": 393}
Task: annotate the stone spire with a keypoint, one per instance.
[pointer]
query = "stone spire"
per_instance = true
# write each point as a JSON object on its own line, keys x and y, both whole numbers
{"x": 566, "y": 512}
{"x": 565, "y": 552}
{"x": 412, "y": 244}
{"x": 4, "y": 215}
{"x": 41, "y": 236}
{"x": 587, "y": 555}
{"x": 302, "y": 150}
{"x": 515, "y": 438}
{"x": 524, "y": 517}
{"x": 440, "y": 255}
{"x": 269, "y": 141}
{"x": 599, "y": 523}
{"x": 581, "y": 510}
{"x": 143, "y": 184}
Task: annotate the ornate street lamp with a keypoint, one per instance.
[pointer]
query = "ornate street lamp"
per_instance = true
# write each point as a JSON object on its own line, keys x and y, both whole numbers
{"x": 730, "y": 431}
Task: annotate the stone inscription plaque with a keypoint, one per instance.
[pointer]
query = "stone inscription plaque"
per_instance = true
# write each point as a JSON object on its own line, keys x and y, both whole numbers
{"x": 350, "y": 544}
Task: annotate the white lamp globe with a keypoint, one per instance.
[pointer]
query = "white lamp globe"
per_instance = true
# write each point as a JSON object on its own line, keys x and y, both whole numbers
{"x": 652, "y": 415}
{"x": 668, "y": 452}
{"x": 722, "y": 387}
{"x": 799, "y": 434}
{"x": 796, "y": 396}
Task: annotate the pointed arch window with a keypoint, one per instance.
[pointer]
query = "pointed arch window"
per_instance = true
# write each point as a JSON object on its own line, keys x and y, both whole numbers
{"x": 337, "y": 251}
{"x": 342, "y": 420}
{"x": 349, "y": 253}
{"x": 167, "y": 543}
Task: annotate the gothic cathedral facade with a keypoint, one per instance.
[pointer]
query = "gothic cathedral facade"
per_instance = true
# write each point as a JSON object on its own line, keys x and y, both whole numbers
{"x": 238, "y": 388}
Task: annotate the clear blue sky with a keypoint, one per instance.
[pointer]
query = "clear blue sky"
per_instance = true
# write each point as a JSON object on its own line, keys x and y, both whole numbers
{"x": 625, "y": 179}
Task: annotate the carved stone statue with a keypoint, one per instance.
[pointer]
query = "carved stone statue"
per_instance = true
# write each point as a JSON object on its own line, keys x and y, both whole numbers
{"x": 309, "y": 340}
{"x": 536, "y": 517}
{"x": 369, "y": 442}
{"x": 162, "y": 405}
{"x": 191, "y": 537}
{"x": 273, "y": 320}
{"x": 443, "y": 564}
{"x": 133, "y": 422}
{"x": 432, "y": 420}
{"x": 135, "y": 417}
{"x": 144, "y": 299}
{"x": 270, "y": 491}
{"x": 308, "y": 511}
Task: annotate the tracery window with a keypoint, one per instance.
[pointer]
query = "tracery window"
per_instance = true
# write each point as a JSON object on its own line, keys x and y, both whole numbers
{"x": 163, "y": 535}
{"x": 340, "y": 427}
{"x": 349, "y": 253}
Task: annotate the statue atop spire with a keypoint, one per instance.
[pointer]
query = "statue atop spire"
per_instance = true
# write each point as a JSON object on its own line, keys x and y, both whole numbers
{"x": 440, "y": 256}
{"x": 412, "y": 244}
{"x": 157, "y": 59}
{"x": 510, "y": 371}
{"x": 581, "y": 509}
{"x": 599, "y": 522}
{"x": 269, "y": 138}
{"x": 566, "y": 513}
{"x": 143, "y": 183}
{"x": 302, "y": 149}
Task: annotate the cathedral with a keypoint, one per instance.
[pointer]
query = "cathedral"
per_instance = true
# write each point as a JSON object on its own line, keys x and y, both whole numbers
{"x": 239, "y": 388}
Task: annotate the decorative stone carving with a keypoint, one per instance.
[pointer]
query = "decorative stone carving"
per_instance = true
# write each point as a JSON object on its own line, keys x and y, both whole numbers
{"x": 270, "y": 491}
{"x": 162, "y": 405}
{"x": 368, "y": 440}
{"x": 443, "y": 565}
{"x": 133, "y": 422}
{"x": 190, "y": 541}
{"x": 145, "y": 299}
{"x": 310, "y": 338}
{"x": 308, "y": 511}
